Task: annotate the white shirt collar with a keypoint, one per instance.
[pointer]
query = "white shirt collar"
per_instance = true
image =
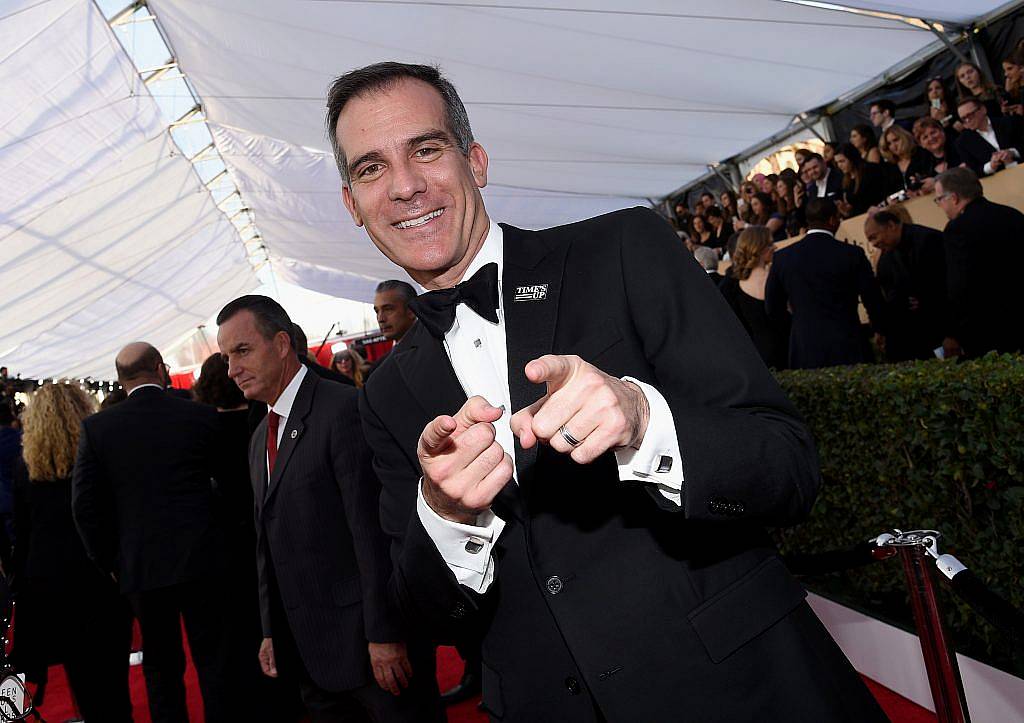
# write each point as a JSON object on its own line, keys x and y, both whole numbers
{"x": 989, "y": 135}
{"x": 888, "y": 124}
{"x": 283, "y": 406}
{"x": 135, "y": 389}
{"x": 820, "y": 230}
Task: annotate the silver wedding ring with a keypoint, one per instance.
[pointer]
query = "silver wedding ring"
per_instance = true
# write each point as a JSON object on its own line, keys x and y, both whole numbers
{"x": 569, "y": 439}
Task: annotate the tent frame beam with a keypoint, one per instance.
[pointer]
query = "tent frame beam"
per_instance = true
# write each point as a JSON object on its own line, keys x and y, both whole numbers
{"x": 946, "y": 41}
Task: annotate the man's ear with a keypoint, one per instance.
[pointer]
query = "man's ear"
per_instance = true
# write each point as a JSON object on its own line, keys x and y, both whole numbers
{"x": 283, "y": 343}
{"x": 478, "y": 164}
{"x": 350, "y": 204}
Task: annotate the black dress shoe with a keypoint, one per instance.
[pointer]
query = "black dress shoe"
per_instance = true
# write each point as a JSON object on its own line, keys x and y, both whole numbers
{"x": 468, "y": 687}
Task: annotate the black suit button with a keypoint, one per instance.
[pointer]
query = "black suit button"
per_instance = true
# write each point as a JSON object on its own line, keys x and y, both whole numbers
{"x": 459, "y": 611}
{"x": 554, "y": 584}
{"x": 573, "y": 686}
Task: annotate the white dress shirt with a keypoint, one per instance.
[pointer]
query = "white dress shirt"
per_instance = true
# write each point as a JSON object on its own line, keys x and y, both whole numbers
{"x": 990, "y": 137}
{"x": 477, "y": 350}
{"x": 822, "y": 187}
{"x": 283, "y": 407}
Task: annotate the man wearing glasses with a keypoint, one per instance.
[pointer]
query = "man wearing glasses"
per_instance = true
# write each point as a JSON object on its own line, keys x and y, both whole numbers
{"x": 983, "y": 254}
{"x": 988, "y": 145}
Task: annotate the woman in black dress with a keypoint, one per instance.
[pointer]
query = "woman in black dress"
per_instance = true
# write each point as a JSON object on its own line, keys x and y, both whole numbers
{"x": 744, "y": 290}
{"x": 68, "y": 612}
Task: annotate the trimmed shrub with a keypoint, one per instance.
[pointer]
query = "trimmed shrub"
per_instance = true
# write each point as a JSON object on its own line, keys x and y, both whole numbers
{"x": 920, "y": 445}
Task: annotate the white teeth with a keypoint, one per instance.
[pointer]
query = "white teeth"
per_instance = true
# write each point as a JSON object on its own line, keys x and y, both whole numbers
{"x": 419, "y": 221}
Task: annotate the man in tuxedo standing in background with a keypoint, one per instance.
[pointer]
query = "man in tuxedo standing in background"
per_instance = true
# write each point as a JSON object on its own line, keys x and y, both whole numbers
{"x": 391, "y": 305}
{"x": 819, "y": 281}
{"x": 322, "y": 558}
{"x": 605, "y": 541}
{"x": 144, "y": 504}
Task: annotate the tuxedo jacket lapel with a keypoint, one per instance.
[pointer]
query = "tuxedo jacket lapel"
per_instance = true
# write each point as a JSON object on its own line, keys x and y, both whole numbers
{"x": 293, "y": 429}
{"x": 530, "y": 261}
{"x": 428, "y": 373}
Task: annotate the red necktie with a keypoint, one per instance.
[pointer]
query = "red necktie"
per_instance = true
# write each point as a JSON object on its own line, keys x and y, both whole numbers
{"x": 272, "y": 420}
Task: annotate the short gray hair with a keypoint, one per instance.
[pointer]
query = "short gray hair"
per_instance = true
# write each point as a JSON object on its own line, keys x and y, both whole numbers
{"x": 404, "y": 289}
{"x": 961, "y": 181}
{"x": 381, "y": 76}
{"x": 708, "y": 258}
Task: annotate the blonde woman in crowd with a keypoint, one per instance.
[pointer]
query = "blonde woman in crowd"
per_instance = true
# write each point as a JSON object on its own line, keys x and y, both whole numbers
{"x": 351, "y": 363}
{"x": 914, "y": 162}
{"x": 68, "y": 611}
{"x": 744, "y": 290}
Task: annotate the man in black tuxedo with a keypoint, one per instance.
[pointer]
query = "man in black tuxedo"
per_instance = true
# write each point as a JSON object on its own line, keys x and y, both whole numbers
{"x": 610, "y": 556}
{"x": 818, "y": 281}
{"x": 144, "y": 504}
{"x": 322, "y": 558}
{"x": 824, "y": 182}
{"x": 988, "y": 144}
{"x": 983, "y": 254}
{"x": 911, "y": 273}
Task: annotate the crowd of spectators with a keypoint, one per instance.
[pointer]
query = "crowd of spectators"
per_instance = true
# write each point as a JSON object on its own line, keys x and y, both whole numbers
{"x": 921, "y": 300}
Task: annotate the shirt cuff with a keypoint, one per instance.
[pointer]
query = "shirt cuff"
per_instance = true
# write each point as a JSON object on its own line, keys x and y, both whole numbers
{"x": 465, "y": 548}
{"x": 988, "y": 168}
{"x": 657, "y": 461}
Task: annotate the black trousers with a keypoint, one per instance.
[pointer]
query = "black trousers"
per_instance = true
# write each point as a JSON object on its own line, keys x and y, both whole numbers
{"x": 85, "y": 624}
{"x": 419, "y": 703}
{"x": 97, "y": 670}
{"x": 202, "y": 604}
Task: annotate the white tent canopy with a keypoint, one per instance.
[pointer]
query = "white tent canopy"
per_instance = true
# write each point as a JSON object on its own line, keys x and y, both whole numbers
{"x": 583, "y": 108}
{"x": 107, "y": 234}
{"x": 110, "y": 235}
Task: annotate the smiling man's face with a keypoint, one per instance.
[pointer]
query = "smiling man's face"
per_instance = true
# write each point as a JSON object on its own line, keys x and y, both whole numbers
{"x": 410, "y": 186}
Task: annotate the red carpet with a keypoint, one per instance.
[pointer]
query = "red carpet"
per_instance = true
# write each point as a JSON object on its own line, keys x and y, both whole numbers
{"x": 59, "y": 708}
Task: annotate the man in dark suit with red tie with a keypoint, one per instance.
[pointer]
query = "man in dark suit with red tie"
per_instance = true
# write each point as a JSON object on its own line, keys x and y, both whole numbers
{"x": 578, "y": 445}
{"x": 322, "y": 558}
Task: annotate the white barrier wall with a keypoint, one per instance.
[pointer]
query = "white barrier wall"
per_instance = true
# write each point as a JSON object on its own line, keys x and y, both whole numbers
{"x": 892, "y": 657}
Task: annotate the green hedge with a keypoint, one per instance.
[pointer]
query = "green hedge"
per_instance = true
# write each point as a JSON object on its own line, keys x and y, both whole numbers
{"x": 919, "y": 445}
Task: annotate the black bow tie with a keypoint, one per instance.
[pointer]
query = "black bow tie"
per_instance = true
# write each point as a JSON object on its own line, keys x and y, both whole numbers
{"x": 436, "y": 309}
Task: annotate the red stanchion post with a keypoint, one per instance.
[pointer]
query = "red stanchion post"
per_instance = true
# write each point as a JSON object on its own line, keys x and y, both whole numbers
{"x": 939, "y": 660}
